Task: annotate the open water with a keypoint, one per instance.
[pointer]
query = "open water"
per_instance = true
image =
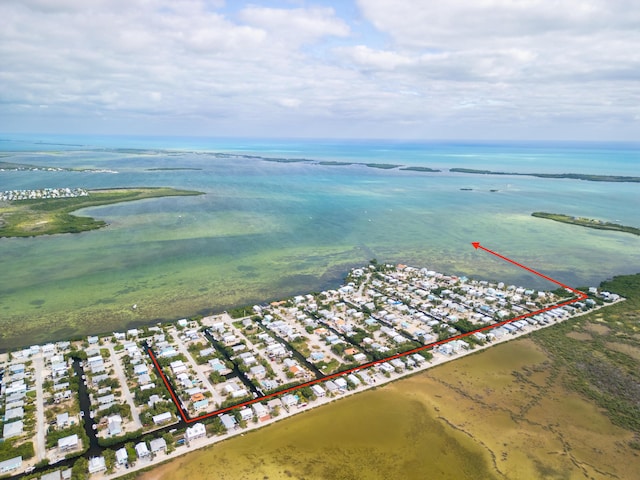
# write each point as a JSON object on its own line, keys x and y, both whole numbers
{"x": 266, "y": 230}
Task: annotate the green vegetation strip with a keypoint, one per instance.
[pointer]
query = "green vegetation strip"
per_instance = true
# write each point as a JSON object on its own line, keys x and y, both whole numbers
{"x": 279, "y": 160}
{"x": 25, "y": 166}
{"x": 573, "y": 176}
{"x": 29, "y": 218}
{"x": 587, "y": 222}
{"x": 333, "y": 163}
{"x": 383, "y": 166}
{"x": 161, "y": 169}
{"x": 420, "y": 169}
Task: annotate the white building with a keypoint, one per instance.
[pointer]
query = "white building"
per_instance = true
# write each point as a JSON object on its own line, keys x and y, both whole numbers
{"x": 158, "y": 445}
{"x": 162, "y": 418}
{"x": 318, "y": 391}
{"x": 142, "y": 450}
{"x": 68, "y": 443}
{"x": 115, "y": 425}
{"x": 121, "y": 456}
{"x": 13, "y": 429}
{"x": 97, "y": 464}
{"x": 197, "y": 431}
{"x": 246, "y": 414}
{"x": 10, "y": 465}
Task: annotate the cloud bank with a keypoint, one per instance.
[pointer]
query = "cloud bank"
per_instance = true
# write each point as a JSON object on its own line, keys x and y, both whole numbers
{"x": 368, "y": 68}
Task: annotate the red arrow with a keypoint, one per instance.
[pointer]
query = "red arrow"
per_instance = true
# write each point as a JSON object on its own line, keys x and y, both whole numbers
{"x": 477, "y": 245}
{"x": 185, "y": 416}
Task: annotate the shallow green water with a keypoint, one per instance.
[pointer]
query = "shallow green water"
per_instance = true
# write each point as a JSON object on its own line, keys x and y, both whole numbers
{"x": 267, "y": 230}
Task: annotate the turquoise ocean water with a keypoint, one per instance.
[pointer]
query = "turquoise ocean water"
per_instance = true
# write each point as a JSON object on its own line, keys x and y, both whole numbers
{"x": 266, "y": 230}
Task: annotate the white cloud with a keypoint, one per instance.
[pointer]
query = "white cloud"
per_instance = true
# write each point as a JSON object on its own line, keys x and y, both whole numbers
{"x": 378, "y": 59}
{"x": 297, "y": 25}
{"x": 395, "y": 68}
{"x": 522, "y": 39}
{"x": 424, "y": 23}
{"x": 289, "y": 102}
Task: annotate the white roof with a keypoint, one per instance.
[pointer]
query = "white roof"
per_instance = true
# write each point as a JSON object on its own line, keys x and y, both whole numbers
{"x": 115, "y": 418}
{"x": 141, "y": 449}
{"x": 163, "y": 417}
{"x": 96, "y": 464}
{"x": 228, "y": 421}
{"x": 121, "y": 455}
{"x": 17, "y": 412}
{"x": 260, "y": 409}
{"x": 12, "y": 429}
{"x": 51, "y": 476}
{"x": 141, "y": 368}
{"x": 340, "y": 382}
{"x": 58, "y": 366}
{"x": 246, "y": 413}
{"x": 70, "y": 441}
{"x": 197, "y": 430}
{"x": 106, "y": 398}
{"x": 11, "y": 464}
{"x": 158, "y": 444}
{"x": 289, "y": 400}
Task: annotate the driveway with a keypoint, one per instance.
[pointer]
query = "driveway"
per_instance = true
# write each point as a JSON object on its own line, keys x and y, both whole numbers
{"x": 122, "y": 378}
{"x": 41, "y": 426}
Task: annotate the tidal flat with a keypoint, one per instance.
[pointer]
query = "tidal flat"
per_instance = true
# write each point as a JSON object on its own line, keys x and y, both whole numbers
{"x": 500, "y": 414}
{"x": 379, "y": 434}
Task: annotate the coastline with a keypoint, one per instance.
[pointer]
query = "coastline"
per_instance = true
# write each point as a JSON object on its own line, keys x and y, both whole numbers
{"x": 439, "y": 359}
{"x": 374, "y": 370}
{"x": 33, "y": 216}
{"x": 171, "y": 260}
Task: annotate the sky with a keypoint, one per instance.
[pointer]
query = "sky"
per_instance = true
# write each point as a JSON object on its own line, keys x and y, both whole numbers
{"x": 395, "y": 69}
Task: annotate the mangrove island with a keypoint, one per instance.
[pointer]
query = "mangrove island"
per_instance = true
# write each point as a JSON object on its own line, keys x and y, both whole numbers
{"x": 44, "y": 213}
{"x": 586, "y": 222}
{"x": 572, "y": 176}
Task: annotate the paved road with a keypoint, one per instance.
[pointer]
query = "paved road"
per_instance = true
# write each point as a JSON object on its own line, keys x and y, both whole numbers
{"x": 41, "y": 425}
{"x": 122, "y": 378}
{"x": 199, "y": 369}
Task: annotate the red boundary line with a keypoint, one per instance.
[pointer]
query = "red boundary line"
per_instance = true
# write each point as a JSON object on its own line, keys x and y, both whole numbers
{"x": 476, "y": 245}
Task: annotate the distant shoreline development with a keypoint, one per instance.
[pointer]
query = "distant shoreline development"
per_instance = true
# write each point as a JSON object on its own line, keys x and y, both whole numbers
{"x": 112, "y": 404}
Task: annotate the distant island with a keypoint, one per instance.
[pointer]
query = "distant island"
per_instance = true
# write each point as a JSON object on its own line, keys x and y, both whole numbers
{"x": 587, "y": 222}
{"x": 493, "y": 190}
{"x": 160, "y": 169}
{"x": 8, "y": 166}
{"x": 384, "y": 166}
{"x": 50, "y": 216}
{"x": 333, "y": 163}
{"x": 420, "y": 169}
{"x": 572, "y": 176}
{"x": 279, "y": 160}
{"x": 23, "y": 166}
